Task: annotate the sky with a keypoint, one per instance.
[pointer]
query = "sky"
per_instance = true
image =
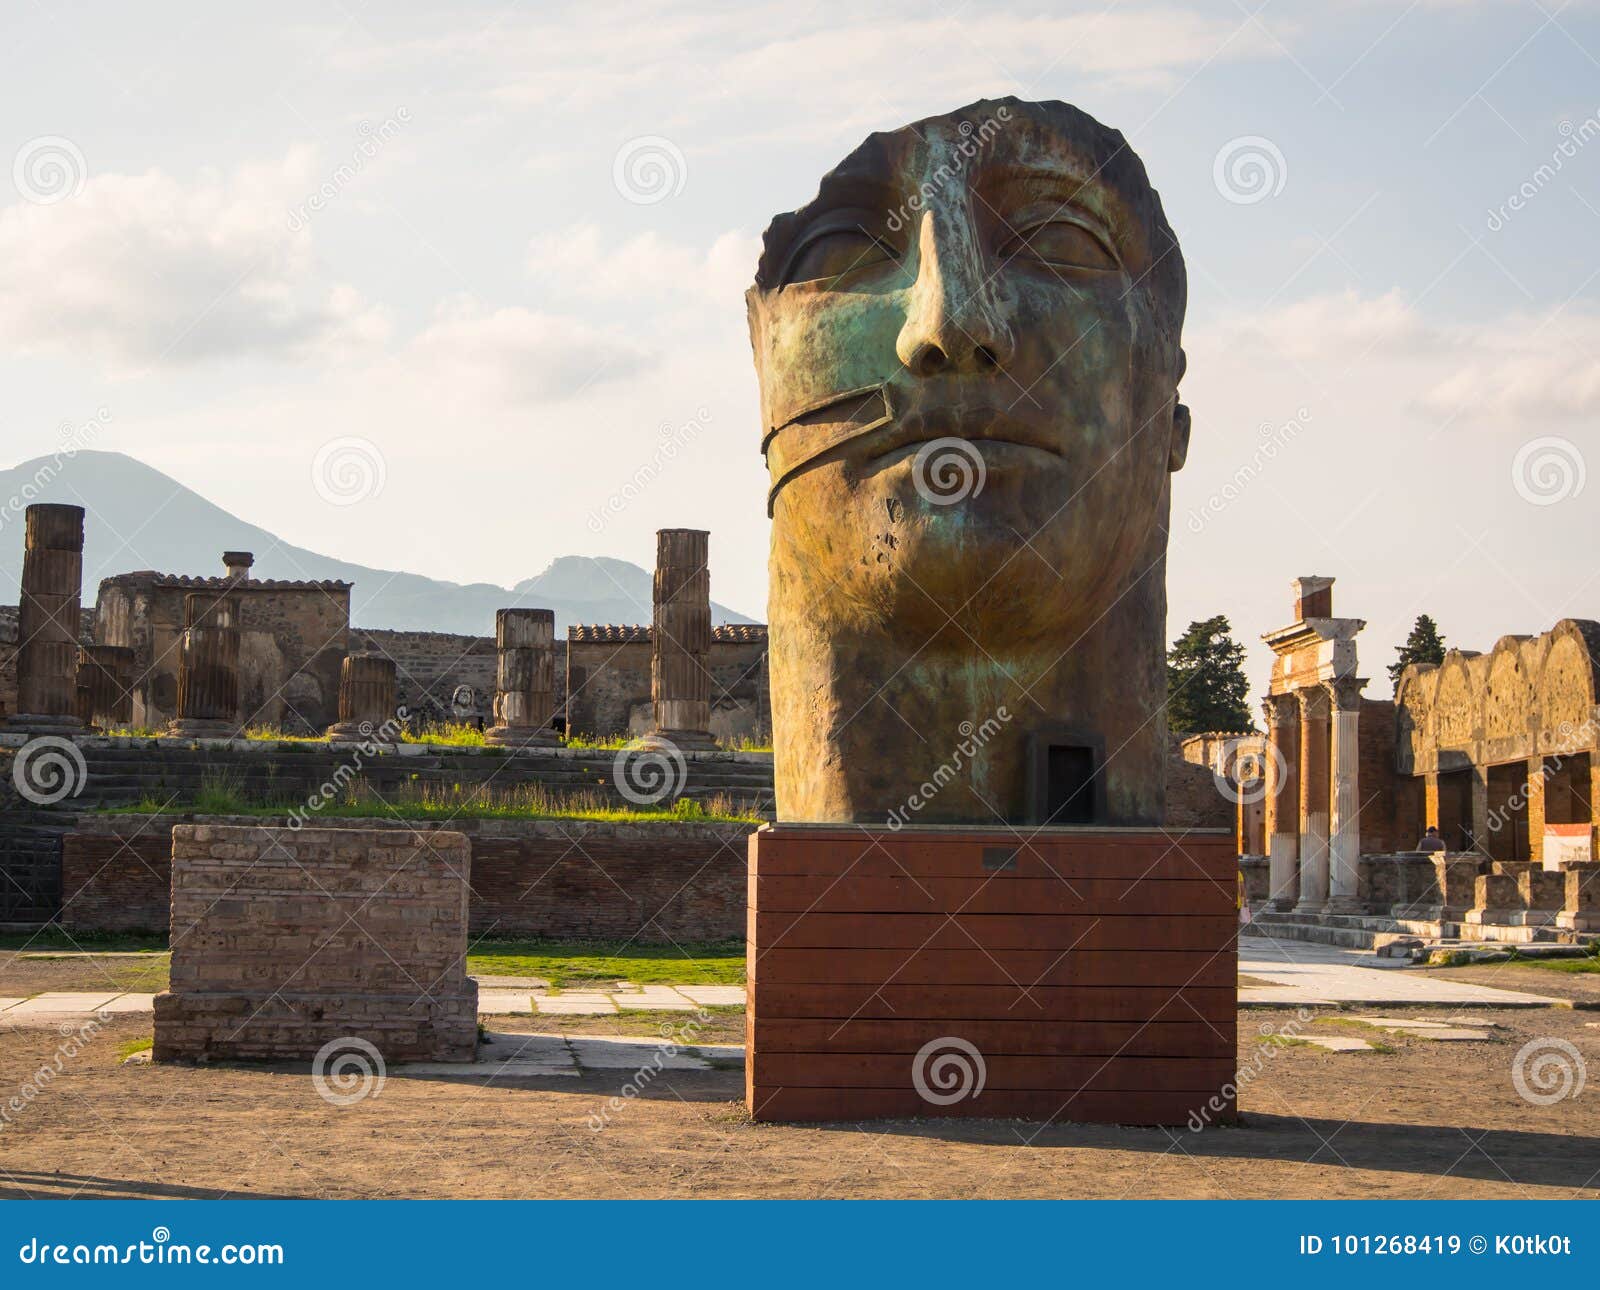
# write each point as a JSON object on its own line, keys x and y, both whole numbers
{"x": 457, "y": 288}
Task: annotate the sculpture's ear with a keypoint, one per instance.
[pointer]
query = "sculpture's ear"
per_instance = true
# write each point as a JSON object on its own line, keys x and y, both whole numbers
{"x": 1178, "y": 449}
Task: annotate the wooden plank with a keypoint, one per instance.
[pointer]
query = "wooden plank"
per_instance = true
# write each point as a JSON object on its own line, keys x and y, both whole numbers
{"x": 1021, "y": 969}
{"x": 1152, "y": 860}
{"x": 851, "y": 1105}
{"x": 1002, "y": 1071}
{"x": 1084, "y": 1039}
{"x": 1216, "y": 1004}
{"x": 992, "y": 931}
{"x": 994, "y": 895}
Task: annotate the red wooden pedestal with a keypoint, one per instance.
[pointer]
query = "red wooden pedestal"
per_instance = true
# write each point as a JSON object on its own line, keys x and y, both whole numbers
{"x": 1048, "y": 974}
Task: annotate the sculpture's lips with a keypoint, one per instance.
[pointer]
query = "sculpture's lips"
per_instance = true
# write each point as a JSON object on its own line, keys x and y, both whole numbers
{"x": 913, "y": 429}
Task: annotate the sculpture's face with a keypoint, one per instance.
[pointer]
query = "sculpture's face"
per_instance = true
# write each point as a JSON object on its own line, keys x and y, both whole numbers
{"x": 968, "y": 353}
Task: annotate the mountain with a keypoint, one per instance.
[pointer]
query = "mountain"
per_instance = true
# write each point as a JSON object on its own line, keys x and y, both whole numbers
{"x": 139, "y": 518}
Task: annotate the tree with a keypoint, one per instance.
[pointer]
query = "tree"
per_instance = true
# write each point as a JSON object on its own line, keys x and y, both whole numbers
{"x": 1424, "y": 645}
{"x": 1206, "y": 684}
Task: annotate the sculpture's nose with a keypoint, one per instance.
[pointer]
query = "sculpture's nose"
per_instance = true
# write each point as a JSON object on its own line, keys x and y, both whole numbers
{"x": 955, "y": 322}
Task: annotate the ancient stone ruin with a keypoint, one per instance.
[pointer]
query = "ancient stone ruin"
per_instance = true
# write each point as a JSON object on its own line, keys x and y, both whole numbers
{"x": 284, "y": 941}
{"x": 48, "y": 621}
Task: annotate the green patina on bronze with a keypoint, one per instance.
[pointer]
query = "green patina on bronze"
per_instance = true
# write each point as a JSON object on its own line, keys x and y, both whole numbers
{"x": 969, "y": 350}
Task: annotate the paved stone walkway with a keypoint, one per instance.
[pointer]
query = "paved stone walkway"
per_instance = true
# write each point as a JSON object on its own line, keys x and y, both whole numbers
{"x": 508, "y": 1056}
{"x": 1301, "y": 975}
{"x": 1309, "y": 975}
{"x": 495, "y": 1000}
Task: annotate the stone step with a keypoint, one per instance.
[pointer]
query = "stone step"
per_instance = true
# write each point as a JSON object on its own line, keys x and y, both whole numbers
{"x": 1350, "y": 938}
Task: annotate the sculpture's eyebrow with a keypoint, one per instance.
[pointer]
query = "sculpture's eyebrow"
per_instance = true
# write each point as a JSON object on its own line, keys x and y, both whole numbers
{"x": 840, "y": 190}
{"x": 1073, "y": 185}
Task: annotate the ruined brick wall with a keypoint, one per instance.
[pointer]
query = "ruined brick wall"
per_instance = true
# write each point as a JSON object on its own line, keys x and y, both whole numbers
{"x": 608, "y": 681}
{"x": 440, "y": 677}
{"x": 1389, "y": 815}
{"x": 285, "y": 941}
{"x": 293, "y": 639}
{"x": 1193, "y": 799}
{"x": 561, "y": 879}
{"x": 8, "y": 652}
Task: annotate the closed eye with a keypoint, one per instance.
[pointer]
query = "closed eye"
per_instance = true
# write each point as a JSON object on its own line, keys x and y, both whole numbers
{"x": 1061, "y": 243}
{"x": 837, "y": 255}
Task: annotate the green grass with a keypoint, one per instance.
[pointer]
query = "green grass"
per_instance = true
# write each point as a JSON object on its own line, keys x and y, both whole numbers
{"x": 1589, "y": 963}
{"x": 420, "y": 801}
{"x": 449, "y": 735}
{"x": 136, "y": 732}
{"x": 278, "y": 735}
{"x": 578, "y": 963}
{"x": 611, "y": 743}
{"x": 53, "y": 938}
{"x": 128, "y": 1047}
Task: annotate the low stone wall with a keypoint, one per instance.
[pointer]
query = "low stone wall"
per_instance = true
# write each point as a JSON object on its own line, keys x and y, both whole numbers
{"x": 307, "y": 943}
{"x": 653, "y": 882}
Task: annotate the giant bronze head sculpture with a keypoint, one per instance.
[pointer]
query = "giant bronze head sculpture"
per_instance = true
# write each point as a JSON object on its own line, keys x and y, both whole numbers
{"x": 969, "y": 352}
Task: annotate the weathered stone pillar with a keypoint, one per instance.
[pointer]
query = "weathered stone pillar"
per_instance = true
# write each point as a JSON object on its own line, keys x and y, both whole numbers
{"x": 525, "y": 678}
{"x": 1536, "y": 811}
{"x": 48, "y": 617}
{"x": 1313, "y": 800}
{"x": 1344, "y": 845}
{"x": 680, "y": 650}
{"x": 208, "y": 668}
{"x": 1430, "y": 800}
{"x": 366, "y": 699}
{"x": 1480, "y": 809}
{"x": 1283, "y": 799}
{"x": 105, "y": 691}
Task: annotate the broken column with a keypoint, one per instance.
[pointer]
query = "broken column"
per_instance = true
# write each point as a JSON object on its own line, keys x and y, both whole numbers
{"x": 105, "y": 685}
{"x": 48, "y": 619}
{"x": 366, "y": 699}
{"x": 208, "y": 668}
{"x": 525, "y": 669}
{"x": 680, "y": 639}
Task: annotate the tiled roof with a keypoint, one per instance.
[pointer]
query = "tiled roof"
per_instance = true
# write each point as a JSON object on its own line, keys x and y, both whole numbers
{"x": 615, "y": 634}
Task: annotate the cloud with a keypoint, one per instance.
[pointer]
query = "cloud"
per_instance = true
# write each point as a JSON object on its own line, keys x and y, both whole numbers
{"x": 742, "y": 65}
{"x": 515, "y": 356}
{"x": 579, "y": 259}
{"x": 143, "y": 270}
{"x": 1517, "y": 368}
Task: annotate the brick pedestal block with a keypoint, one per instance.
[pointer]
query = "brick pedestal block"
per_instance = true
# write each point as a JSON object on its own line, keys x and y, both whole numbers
{"x": 285, "y": 941}
{"x": 1064, "y": 974}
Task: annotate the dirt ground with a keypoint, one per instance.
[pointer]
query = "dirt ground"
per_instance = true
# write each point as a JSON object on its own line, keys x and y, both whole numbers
{"x": 1427, "y": 1119}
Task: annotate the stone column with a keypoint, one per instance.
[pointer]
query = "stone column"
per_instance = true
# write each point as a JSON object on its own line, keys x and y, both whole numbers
{"x": 1536, "y": 811}
{"x": 525, "y": 678}
{"x": 680, "y": 649}
{"x": 105, "y": 693}
{"x": 366, "y": 699}
{"x": 1283, "y": 798}
{"x": 1344, "y": 845}
{"x": 48, "y": 618}
{"x": 208, "y": 668}
{"x": 1480, "y": 809}
{"x": 1313, "y": 800}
